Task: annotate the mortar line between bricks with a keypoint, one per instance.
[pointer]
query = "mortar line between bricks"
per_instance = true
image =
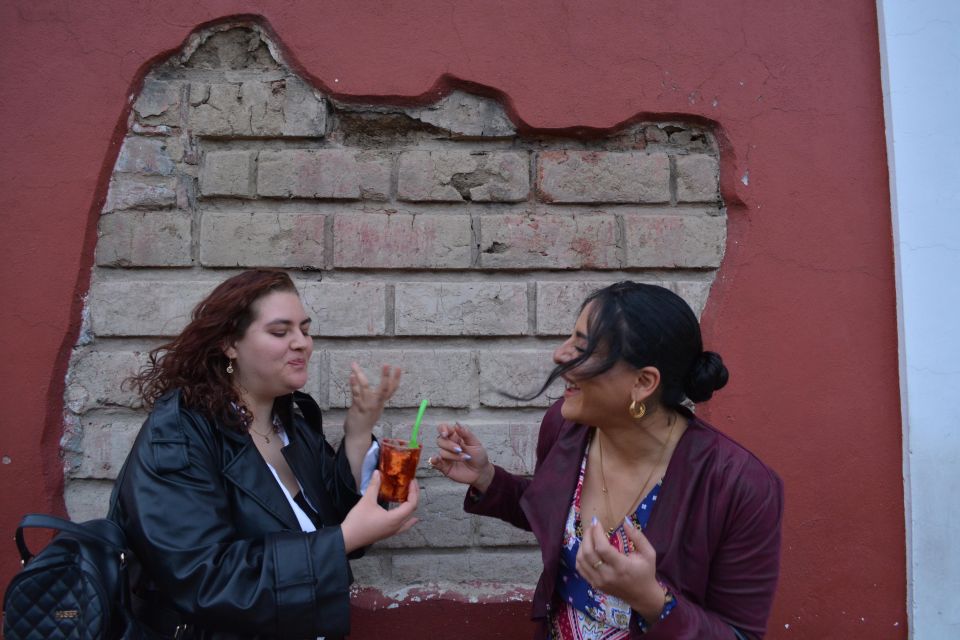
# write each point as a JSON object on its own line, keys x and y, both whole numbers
{"x": 328, "y": 242}
{"x": 532, "y": 161}
{"x": 390, "y": 306}
{"x": 475, "y": 229}
{"x": 214, "y": 275}
{"x": 532, "y": 308}
{"x": 672, "y": 159}
{"x": 621, "y": 240}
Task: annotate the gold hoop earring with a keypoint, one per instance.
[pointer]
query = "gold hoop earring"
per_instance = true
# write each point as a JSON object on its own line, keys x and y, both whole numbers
{"x": 637, "y": 410}
{"x": 230, "y": 366}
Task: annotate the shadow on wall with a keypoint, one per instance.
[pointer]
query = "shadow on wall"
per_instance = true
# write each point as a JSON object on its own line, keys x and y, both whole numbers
{"x": 433, "y": 237}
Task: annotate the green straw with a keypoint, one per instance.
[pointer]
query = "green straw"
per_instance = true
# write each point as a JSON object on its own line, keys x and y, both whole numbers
{"x": 416, "y": 424}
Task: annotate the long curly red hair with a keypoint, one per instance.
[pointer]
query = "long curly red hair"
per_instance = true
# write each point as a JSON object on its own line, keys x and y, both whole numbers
{"x": 194, "y": 361}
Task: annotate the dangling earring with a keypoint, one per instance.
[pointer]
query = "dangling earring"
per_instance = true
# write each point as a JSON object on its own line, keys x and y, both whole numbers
{"x": 637, "y": 410}
{"x": 230, "y": 366}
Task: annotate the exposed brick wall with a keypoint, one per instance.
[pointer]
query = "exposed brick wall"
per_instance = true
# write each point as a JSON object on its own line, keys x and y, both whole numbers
{"x": 436, "y": 238}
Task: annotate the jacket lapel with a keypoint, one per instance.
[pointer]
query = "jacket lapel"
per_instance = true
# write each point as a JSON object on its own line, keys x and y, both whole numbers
{"x": 546, "y": 502}
{"x": 308, "y": 466}
{"x": 249, "y": 473}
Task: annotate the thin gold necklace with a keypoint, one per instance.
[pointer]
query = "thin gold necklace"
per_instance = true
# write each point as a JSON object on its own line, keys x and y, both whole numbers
{"x": 603, "y": 477}
{"x": 276, "y": 429}
{"x": 265, "y": 436}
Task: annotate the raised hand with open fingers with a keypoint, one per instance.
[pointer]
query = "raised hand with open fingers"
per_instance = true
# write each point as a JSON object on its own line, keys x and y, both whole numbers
{"x": 367, "y": 402}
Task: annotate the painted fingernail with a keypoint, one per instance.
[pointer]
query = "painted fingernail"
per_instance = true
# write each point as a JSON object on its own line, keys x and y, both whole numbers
{"x": 626, "y": 521}
{"x": 458, "y": 449}
{"x": 594, "y": 521}
{"x": 466, "y": 456}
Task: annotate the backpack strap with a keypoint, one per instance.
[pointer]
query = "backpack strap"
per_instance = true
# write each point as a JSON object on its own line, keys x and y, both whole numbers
{"x": 43, "y": 521}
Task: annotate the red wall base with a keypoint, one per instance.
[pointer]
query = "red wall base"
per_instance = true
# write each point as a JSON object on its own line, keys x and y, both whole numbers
{"x": 443, "y": 620}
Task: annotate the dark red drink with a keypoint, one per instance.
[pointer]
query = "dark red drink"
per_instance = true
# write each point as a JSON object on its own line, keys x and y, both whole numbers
{"x": 398, "y": 468}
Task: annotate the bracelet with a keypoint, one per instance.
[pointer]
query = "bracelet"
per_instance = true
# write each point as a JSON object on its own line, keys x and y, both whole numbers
{"x": 669, "y": 602}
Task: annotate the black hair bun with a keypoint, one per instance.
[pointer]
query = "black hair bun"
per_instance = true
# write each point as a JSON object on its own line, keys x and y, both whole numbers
{"x": 707, "y": 374}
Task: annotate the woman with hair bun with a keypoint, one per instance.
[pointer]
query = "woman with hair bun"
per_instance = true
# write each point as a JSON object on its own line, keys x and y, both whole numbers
{"x": 241, "y": 516}
{"x": 651, "y": 522}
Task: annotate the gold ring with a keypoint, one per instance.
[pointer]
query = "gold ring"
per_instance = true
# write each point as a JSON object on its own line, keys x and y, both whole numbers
{"x": 597, "y": 564}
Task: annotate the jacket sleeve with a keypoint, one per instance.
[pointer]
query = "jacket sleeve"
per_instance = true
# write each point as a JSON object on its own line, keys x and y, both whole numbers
{"x": 178, "y": 520}
{"x": 743, "y": 571}
{"x": 502, "y": 498}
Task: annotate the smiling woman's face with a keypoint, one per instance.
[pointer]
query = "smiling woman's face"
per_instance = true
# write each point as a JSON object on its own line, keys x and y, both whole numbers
{"x": 272, "y": 356}
{"x": 598, "y": 399}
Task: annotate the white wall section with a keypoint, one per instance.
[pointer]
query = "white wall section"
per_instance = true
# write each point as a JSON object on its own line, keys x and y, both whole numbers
{"x": 920, "y": 54}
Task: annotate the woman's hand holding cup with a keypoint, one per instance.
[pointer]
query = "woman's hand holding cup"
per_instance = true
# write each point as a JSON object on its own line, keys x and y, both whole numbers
{"x": 368, "y": 522}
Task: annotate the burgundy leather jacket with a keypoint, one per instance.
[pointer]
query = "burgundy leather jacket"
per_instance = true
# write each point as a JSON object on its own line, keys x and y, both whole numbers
{"x": 715, "y": 528}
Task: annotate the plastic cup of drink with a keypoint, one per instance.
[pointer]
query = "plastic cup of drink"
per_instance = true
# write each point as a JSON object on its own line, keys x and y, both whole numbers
{"x": 398, "y": 467}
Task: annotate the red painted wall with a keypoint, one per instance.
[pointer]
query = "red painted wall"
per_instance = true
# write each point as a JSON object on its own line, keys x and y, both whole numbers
{"x": 803, "y": 308}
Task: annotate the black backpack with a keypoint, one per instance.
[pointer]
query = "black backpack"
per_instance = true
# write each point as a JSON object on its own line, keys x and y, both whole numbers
{"x": 76, "y": 588}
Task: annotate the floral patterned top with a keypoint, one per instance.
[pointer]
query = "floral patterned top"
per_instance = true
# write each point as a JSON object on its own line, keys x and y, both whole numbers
{"x": 584, "y": 613}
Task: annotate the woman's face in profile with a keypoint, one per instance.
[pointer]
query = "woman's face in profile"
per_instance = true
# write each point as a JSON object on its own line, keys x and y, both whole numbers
{"x": 273, "y": 354}
{"x": 597, "y": 399}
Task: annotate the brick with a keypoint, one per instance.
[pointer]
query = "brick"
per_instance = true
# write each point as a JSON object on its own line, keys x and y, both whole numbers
{"x": 262, "y": 239}
{"x": 105, "y": 443}
{"x": 145, "y": 239}
{"x": 558, "y": 305}
{"x": 674, "y": 240}
{"x": 520, "y": 566}
{"x": 87, "y": 499}
{"x": 520, "y": 372}
{"x": 143, "y": 308}
{"x": 492, "y": 532}
{"x": 511, "y": 445}
{"x": 467, "y": 115}
{"x": 443, "y": 522}
{"x": 346, "y": 308}
{"x": 601, "y": 176}
{"x": 228, "y": 173}
{"x": 146, "y": 156}
{"x": 317, "y": 381}
{"x": 372, "y": 570}
{"x": 454, "y": 308}
{"x": 344, "y": 174}
{"x": 511, "y": 241}
{"x": 402, "y": 241}
{"x": 374, "y": 172}
{"x": 234, "y": 48}
{"x": 95, "y": 379}
{"x": 274, "y": 107}
{"x": 698, "y": 178}
{"x": 695, "y": 292}
{"x": 304, "y": 110}
{"x": 251, "y": 108}
{"x": 447, "y": 377}
{"x": 458, "y": 175}
{"x": 159, "y": 102}
{"x": 134, "y": 192}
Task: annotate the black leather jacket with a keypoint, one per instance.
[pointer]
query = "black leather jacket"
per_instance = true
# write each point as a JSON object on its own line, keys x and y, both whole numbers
{"x": 218, "y": 546}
